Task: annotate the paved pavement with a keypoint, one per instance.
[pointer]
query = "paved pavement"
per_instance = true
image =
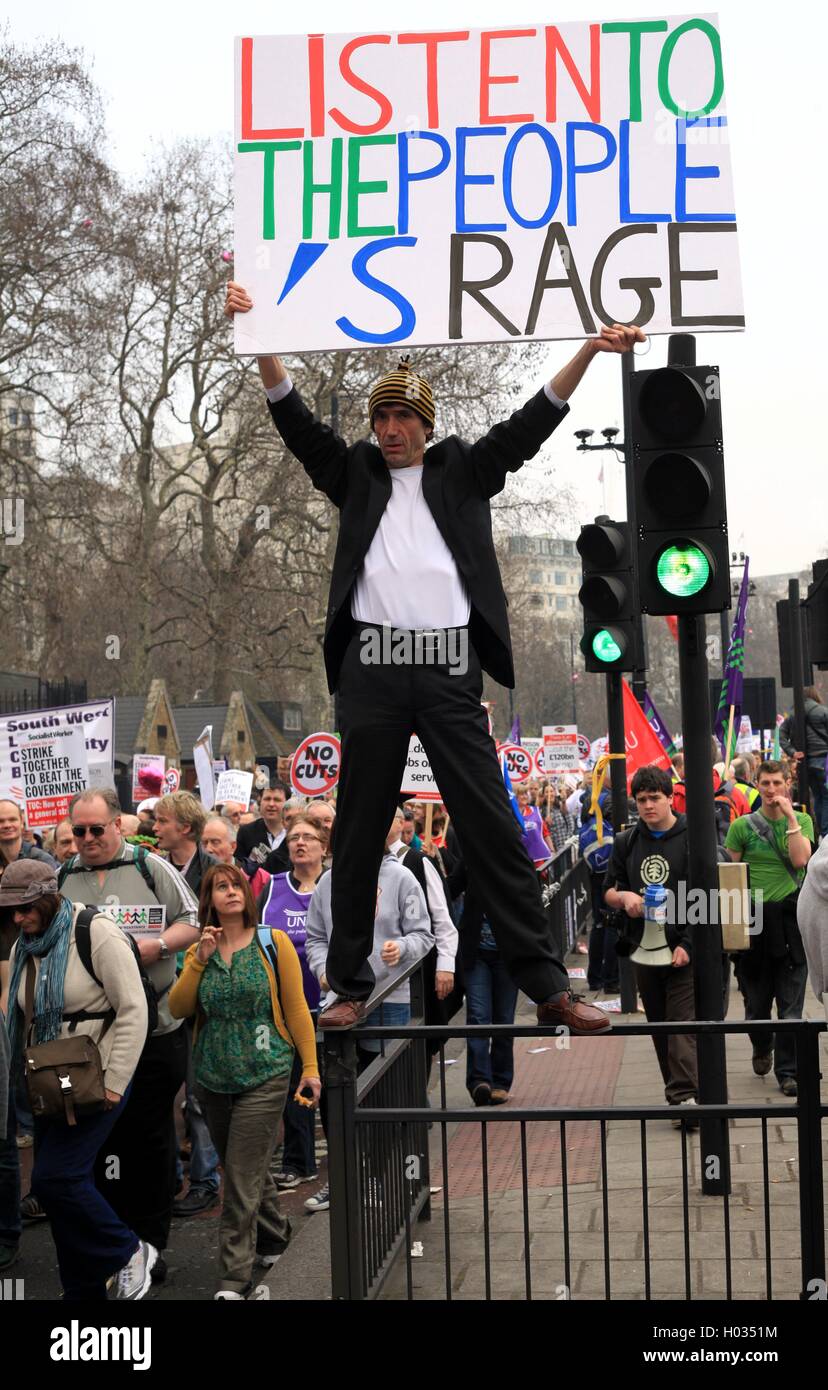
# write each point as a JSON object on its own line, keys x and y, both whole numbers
{"x": 611, "y": 1220}
{"x": 562, "y": 1264}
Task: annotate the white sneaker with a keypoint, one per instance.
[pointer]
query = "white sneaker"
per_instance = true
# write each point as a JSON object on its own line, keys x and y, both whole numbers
{"x": 135, "y": 1278}
{"x": 259, "y": 1294}
{"x": 691, "y": 1122}
{"x": 320, "y": 1201}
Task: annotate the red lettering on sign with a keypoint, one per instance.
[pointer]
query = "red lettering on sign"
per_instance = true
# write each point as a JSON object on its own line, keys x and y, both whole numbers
{"x": 359, "y": 85}
{"x": 431, "y": 41}
{"x": 590, "y": 96}
{"x": 487, "y": 80}
{"x": 248, "y": 133}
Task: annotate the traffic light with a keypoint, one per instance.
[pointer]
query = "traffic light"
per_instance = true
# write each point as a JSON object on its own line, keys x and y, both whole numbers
{"x": 607, "y": 594}
{"x": 783, "y": 632}
{"x": 679, "y": 490}
{"x": 816, "y": 607}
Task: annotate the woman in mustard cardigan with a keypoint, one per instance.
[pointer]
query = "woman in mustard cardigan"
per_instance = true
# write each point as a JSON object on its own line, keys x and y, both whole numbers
{"x": 247, "y": 1026}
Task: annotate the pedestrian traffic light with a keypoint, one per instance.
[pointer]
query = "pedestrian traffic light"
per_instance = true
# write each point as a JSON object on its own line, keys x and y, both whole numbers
{"x": 816, "y": 607}
{"x": 607, "y": 594}
{"x": 679, "y": 490}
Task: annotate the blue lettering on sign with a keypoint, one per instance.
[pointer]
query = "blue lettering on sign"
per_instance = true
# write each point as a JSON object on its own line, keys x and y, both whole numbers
{"x": 464, "y": 133}
{"x": 405, "y": 175}
{"x": 556, "y": 172}
{"x": 573, "y": 169}
{"x": 408, "y": 318}
{"x": 307, "y": 254}
{"x": 701, "y": 171}
{"x": 624, "y": 183}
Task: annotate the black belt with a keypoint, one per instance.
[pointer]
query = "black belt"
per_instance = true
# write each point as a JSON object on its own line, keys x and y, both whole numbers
{"x": 416, "y": 632}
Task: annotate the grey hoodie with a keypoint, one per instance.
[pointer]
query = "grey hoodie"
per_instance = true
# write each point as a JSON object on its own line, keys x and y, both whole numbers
{"x": 812, "y": 916}
{"x": 402, "y": 916}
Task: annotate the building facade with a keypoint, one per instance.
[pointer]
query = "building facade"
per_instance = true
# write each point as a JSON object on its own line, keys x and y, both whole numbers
{"x": 547, "y": 569}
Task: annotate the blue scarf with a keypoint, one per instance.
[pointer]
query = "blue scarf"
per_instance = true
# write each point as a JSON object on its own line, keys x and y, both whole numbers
{"x": 53, "y": 948}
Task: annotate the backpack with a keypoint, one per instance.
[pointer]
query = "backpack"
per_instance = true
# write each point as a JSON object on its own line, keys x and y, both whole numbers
{"x": 597, "y": 855}
{"x": 725, "y": 808}
{"x": 83, "y": 941}
{"x": 726, "y": 811}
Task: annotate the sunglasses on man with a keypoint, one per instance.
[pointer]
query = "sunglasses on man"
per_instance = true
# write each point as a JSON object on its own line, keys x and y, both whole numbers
{"x": 96, "y": 831}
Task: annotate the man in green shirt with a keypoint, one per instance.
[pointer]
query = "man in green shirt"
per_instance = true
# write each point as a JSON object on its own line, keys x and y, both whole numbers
{"x": 776, "y": 842}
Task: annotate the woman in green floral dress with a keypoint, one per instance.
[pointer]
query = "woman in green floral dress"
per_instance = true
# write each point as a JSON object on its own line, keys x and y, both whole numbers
{"x": 248, "y": 1024}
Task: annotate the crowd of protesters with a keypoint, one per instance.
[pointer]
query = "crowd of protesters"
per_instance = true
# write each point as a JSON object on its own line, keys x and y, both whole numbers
{"x": 220, "y": 1005}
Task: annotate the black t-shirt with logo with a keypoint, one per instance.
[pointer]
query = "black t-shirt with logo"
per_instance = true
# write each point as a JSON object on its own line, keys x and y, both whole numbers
{"x": 641, "y": 859}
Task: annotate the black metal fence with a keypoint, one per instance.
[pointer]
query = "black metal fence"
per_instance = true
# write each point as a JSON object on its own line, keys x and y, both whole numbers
{"x": 378, "y": 1146}
{"x": 42, "y": 694}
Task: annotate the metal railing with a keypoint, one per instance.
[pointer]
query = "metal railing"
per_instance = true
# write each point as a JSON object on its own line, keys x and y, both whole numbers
{"x": 379, "y": 1162}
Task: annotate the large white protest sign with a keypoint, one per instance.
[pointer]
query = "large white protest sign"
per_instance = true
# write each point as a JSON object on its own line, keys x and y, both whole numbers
{"x": 560, "y": 748}
{"x": 418, "y": 778}
{"x": 744, "y": 739}
{"x": 234, "y": 785}
{"x": 53, "y": 767}
{"x": 94, "y": 718}
{"x": 203, "y": 763}
{"x": 479, "y": 185}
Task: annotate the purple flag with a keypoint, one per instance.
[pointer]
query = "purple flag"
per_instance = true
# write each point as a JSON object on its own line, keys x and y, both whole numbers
{"x": 514, "y": 732}
{"x": 734, "y": 674}
{"x": 665, "y": 737}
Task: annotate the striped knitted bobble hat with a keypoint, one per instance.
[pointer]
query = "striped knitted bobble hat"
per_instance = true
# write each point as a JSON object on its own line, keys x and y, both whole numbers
{"x": 403, "y": 387}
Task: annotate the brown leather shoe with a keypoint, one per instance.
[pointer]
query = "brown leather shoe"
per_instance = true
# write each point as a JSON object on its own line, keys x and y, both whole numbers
{"x": 499, "y": 1096}
{"x": 345, "y": 1013}
{"x": 564, "y": 1010}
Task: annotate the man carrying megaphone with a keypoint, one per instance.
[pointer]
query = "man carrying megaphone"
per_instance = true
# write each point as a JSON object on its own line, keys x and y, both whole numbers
{"x": 648, "y": 865}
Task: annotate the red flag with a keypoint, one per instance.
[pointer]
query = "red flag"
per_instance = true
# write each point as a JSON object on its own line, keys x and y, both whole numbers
{"x": 642, "y": 742}
{"x": 672, "y": 623}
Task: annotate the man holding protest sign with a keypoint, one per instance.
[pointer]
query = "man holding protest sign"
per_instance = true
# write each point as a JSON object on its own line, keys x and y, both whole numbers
{"x": 397, "y": 506}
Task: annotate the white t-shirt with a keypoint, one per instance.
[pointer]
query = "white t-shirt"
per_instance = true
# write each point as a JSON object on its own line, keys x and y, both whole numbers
{"x": 409, "y": 577}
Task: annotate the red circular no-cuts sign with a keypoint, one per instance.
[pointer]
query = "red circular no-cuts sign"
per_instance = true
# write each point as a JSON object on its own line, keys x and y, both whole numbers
{"x": 519, "y": 763}
{"x": 315, "y": 766}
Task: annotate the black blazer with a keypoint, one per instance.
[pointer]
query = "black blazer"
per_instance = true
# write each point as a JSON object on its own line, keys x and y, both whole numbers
{"x": 250, "y": 836}
{"x": 458, "y": 480}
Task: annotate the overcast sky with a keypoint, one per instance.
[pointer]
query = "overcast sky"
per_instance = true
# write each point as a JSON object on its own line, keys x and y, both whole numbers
{"x": 166, "y": 70}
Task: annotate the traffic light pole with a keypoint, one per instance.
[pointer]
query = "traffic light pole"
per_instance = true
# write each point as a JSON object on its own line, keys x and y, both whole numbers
{"x": 638, "y": 681}
{"x": 703, "y": 873}
{"x": 795, "y": 621}
{"x": 703, "y": 862}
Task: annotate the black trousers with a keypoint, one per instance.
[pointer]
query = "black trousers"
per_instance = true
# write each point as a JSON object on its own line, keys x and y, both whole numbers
{"x": 135, "y": 1168}
{"x": 380, "y": 707}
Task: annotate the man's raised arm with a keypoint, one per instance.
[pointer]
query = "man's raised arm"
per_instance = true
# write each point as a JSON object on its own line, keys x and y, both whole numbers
{"x": 322, "y": 454}
{"x": 509, "y": 444}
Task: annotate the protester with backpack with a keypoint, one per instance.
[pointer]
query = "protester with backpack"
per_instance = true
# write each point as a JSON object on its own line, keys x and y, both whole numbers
{"x": 136, "y": 1173}
{"x": 283, "y": 906}
{"x": 65, "y": 1022}
{"x": 596, "y": 850}
{"x": 245, "y": 988}
{"x": 776, "y": 843}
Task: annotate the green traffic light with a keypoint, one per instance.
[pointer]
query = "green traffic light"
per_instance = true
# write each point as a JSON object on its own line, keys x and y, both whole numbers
{"x": 605, "y": 647}
{"x": 683, "y": 570}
